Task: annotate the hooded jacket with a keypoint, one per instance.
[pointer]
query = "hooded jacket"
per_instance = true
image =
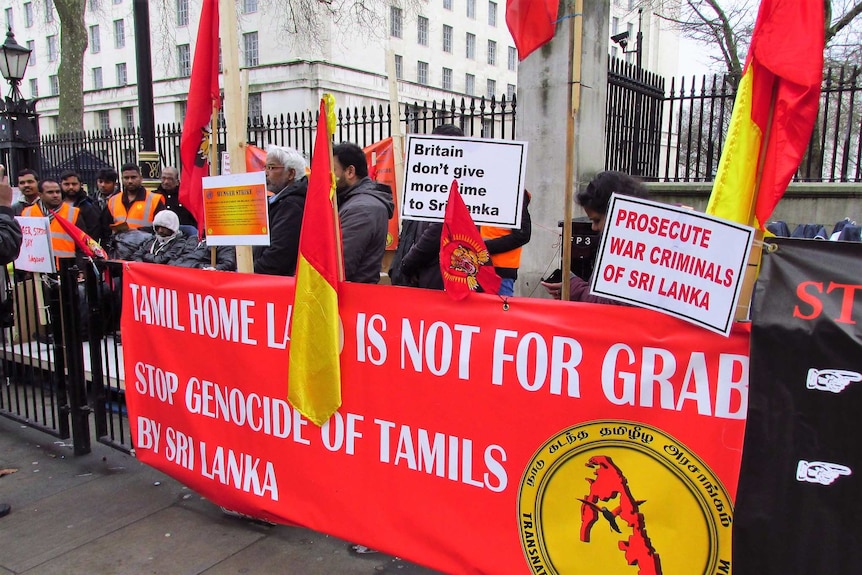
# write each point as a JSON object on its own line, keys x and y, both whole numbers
{"x": 364, "y": 210}
{"x": 285, "y": 222}
{"x": 196, "y": 254}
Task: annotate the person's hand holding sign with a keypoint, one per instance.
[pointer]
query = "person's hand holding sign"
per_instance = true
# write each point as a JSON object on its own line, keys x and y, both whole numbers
{"x": 5, "y": 188}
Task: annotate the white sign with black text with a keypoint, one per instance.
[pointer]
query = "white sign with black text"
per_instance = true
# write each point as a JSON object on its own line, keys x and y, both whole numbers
{"x": 37, "y": 254}
{"x": 674, "y": 260}
{"x": 490, "y": 176}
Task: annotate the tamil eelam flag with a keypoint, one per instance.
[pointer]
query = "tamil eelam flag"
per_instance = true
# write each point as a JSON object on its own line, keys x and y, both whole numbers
{"x": 532, "y": 23}
{"x": 464, "y": 258}
{"x": 85, "y": 243}
{"x": 314, "y": 374}
{"x": 203, "y": 99}
{"x": 774, "y": 113}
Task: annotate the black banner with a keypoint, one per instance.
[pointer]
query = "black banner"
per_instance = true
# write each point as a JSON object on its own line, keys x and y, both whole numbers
{"x": 799, "y": 505}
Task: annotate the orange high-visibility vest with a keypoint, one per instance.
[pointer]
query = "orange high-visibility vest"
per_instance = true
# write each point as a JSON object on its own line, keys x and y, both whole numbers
{"x": 140, "y": 214}
{"x": 61, "y": 242}
{"x": 510, "y": 259}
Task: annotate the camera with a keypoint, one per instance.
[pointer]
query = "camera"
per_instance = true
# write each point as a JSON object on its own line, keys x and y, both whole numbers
{"x": 622, "y": 39}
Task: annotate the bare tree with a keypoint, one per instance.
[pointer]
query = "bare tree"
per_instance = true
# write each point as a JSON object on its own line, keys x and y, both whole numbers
{"x": 73, "y": 43}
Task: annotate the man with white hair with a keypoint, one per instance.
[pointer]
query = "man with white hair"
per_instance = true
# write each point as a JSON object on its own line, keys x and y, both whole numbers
{"x": 286, "y": 179}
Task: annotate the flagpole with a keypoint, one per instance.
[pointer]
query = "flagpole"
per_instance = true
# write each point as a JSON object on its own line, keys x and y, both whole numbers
{"x": 397, "y": 143}
{"x": 233, "y": 106}
{"x": 576, "y": 28}
{"x": 752, "y": 267}
{"x": 339, "y": 248}
{"x": 213, "y": 168}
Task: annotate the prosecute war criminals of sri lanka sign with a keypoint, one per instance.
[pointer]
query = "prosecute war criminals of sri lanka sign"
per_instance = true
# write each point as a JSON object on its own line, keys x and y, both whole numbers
{"x": 519, "y": 440}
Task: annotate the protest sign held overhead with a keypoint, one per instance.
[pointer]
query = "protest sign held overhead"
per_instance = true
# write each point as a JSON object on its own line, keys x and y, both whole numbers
{"x": 490, "y": 176}
{"x": 672, "y": 260}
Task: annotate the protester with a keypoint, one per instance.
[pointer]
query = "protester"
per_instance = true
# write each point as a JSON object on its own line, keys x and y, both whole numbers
{"x": 505, "y": 246}
{"x": 595, "y": 200}
{"x": 74, "y": 195}
{"x": 51, "y": 201}
{"x": 169, "y": 187}
{"x": 364, "y": 209}
{"x": 28, "y": 185}
{"x": 166, "y": 245}
{"x": 106, "y": 186}
{"x": 134, "y": 208}
{"x": 285, "y": 176}
{"x": 10, "y": 244}
{"x": 196, "y": 254}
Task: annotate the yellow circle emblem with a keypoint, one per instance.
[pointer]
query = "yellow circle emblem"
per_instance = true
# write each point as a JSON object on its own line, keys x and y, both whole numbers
{"x": 621, "y": 498}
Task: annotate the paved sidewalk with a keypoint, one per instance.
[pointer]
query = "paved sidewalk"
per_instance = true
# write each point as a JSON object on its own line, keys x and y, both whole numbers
{"x": 106, "y": 513}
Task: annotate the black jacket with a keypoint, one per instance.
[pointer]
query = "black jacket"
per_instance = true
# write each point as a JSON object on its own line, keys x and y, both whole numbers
{"x": 422, "y": 262}
{"x": 196, "y": 254}
{"x": 10, "y": 236}
{"x": 172, "y": 202}
{"x": 285, "y": 222}
{"x": 513, "y": 240}
{"x": 364, "y": 210}
{"x": 152, "y": 252}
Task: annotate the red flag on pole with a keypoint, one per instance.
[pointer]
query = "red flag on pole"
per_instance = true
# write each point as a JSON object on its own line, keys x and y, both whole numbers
{"x": 203, "y": 99}
{"x": 532, "y": 23}
{"x": 463, "y": 255}
{"x": 85, "y": 243}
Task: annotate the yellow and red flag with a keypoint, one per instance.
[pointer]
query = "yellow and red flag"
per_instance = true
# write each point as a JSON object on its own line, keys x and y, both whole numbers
{"x": 774, "y": 114}
{"x": 85, "y": 243}
{"x": 464, "y": 260}
{"x": 314, "y": 374}
{"x": 203, "y": 98}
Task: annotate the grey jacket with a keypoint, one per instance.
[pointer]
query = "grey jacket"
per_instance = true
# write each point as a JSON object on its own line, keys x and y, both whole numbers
{"x": 364, "y": 210}
{"x": 10, "y": 236}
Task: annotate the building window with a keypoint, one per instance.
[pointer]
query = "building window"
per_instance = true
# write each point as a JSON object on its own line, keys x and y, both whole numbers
{"x": 447, "y": 78}
{"x": 615, "y": 25}
{"x": 249, "y": 6}
{"x": 395, "y": 20}
{"x": 510, "y": 91}
{"x": 513, "y": 57}
{"x": 28, "y": 14}
{"x": 399, "y": 67}
{"x": 119, "y": 33}
{"x": 492, "y": 53}
{"x": 255, "y": 108}
{"x": 31, "y": 45}
{"x": 97, "y": 78}
{"x": 422, "y": 73}
{"x": 94, "y": 5}
{"x": 492, "y": 88}
{"x": 614, "y": 52}
{"x": 471, "y": 9}
{"x": 492, "y": 14}
{"x": 34, "y": 88}
{"x": 182, "y": 108}
{"x": 104, "y": 120}
{"x": 182, "y": 12}
{"x": 631, "y": 30}
{"x": 122, "y": 74}
{"x": 49, "y": 11}
{"x": 116, "y": 2}
{"x": 52, "y": 48}
{"x": 95, "y": 40}
{"x": 9, "y": 18}
{"x": 249, "y": 49}
{"x": 128, "y": 118}
{"x": 447, "y": 38}
{"x": 54, "y": 81}
{"x": 470, "y": 84}
{"x": 471, "y": 46}
{"x": 422, "y": 27}
{"x": 447, "y": 4}
{"x": 184, "y": 60}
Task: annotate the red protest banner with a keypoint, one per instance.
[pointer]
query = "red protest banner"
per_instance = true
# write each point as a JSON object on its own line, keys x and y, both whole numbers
{"x": 549, "y": 437}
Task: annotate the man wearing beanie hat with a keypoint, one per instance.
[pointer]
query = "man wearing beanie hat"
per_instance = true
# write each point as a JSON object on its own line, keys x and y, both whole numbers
{"x": 166, "y": 244}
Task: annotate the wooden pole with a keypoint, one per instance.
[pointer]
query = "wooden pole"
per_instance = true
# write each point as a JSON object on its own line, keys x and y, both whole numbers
{"x": 397, "y": 144}
{"x": 233, "y": 108}
{"x": 329, "y": 122}
{"x": 576, "y": 29}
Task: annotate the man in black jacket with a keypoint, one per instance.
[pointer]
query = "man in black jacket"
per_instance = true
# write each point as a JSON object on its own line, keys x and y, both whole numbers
{"x": 169, "y": 187}
{"x": 285, "y": 177}
{"x": 364, "y": 209}
{"x": 73, "y": 194}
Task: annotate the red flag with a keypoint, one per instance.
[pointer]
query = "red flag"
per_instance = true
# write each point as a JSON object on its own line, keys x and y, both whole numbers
{"x": 463, "y": 255}
{"x": 532, "y": 23}
{"x": 202, "y": 100}
{"x": 381, "y": 168}
{"x": 85, "y": 243}
{"x": 775, "y": 110}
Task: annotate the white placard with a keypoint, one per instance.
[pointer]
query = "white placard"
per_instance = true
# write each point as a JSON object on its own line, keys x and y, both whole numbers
{"x": 225, "y": 163}
{"x": 37, "y": 253}
{"x": 490, "y": 175}
{"x": 674, "y": 260}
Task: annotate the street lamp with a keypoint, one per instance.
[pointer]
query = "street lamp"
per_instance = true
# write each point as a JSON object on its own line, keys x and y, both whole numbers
{"x": 19, "y": 122}
{"x": 13, "y": 63}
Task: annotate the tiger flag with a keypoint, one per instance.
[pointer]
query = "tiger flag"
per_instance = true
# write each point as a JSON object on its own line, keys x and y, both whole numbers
{"x": 464, "y": 259}
{"x": 774, "y": 113}
{"x": 314, "y": 374}
{"x": 203, "y": 99}
{"x": 85, "y": 243}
